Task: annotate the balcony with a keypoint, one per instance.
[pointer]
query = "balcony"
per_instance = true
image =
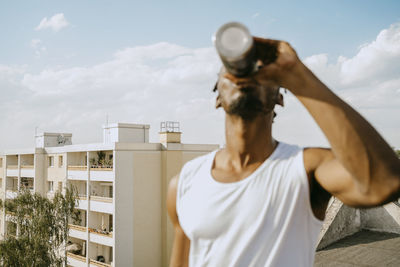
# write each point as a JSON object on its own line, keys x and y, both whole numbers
{"x": 82, "y": 203}
{"x": 28, "y": 170}
{"x": 11, "y": 193}
{"x": 27, "y": 183}
{"x": 100, "y": 255}
{"x": 105, "y": 174}
{"x": 101, "y": 204}
{"x": 27, "y": 164}
{"x": 76, "y": 260}
{"x": 12, "y": 170}
{"x": 77, "y": 173}
{"x": 101, "y": 237}
{"x": 101, "y": 166}
{"x": 77, "y": 231}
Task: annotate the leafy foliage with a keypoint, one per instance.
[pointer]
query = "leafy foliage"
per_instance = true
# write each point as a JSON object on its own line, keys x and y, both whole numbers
{"x": 41, "y": 227}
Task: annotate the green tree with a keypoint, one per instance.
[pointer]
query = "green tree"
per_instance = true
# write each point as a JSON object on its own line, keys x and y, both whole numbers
{"x": 41, "y": 229}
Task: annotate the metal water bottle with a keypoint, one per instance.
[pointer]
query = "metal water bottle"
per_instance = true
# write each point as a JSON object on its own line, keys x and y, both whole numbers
{"x": 235, "y": 46}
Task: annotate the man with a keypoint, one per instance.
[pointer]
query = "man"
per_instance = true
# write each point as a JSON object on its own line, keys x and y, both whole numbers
{"x": 260, "y": 202}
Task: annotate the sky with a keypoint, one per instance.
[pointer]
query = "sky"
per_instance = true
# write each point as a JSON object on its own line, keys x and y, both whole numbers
{"x": 68, "y": 66}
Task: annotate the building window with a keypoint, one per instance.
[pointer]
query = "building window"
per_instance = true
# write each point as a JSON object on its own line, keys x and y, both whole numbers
{"x": 1, "y": 162}
{"x": 51, "y": 161}
{"x": 51, "y": 186}
{"x": 60, "y": 186}
{"x": 60, "y": 161}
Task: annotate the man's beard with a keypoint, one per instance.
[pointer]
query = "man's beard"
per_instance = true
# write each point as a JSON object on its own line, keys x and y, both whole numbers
{"x": 247, "y": 107}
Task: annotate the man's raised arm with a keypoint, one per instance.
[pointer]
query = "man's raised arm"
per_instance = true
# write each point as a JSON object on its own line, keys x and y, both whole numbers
{"x": 362, "y": 169}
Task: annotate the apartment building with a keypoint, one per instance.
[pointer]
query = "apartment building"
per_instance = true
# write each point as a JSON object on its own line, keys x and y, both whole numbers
{"x": 122, "y": 185}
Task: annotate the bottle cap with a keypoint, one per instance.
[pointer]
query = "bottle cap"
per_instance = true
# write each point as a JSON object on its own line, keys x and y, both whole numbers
{"x": 233, "y": 40}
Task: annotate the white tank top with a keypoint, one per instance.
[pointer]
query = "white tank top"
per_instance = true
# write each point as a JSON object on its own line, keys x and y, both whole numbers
{"x": 262, "y": 220}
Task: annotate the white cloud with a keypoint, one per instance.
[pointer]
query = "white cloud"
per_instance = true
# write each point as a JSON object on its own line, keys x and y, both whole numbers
{"x": 255, "y": 15}
{"x": 38, "y": 47}
{"x": 56, "y": 23}
{"x": 35, "y": 43}
{"x": 369, "y": 81}
{"x": 145, "y": 84}
{"x": 149, "y": 84}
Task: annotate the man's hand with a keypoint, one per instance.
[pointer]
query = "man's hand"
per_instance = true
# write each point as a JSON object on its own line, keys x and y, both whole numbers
{"x": 277, "y": 62}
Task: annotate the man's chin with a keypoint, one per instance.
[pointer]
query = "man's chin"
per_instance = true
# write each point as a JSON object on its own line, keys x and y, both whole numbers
{"x": 247, "y": 107}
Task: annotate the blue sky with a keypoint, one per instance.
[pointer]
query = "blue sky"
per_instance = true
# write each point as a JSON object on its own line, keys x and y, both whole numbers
{"x": 42, "y": 69}
{"x": 98, "y": 28}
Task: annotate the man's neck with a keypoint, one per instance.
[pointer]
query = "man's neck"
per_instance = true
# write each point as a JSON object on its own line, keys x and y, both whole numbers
{"x": 248, "y": 142}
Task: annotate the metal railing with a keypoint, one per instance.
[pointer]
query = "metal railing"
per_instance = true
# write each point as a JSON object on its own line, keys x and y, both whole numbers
{"x": 169, "y": 127}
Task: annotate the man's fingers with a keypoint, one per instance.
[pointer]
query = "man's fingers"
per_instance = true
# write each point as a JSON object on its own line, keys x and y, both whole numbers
{"x": 266, "y": 49}
{"x": 272, "y": 42}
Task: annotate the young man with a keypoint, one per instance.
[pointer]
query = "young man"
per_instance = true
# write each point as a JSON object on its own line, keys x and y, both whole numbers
{"x": 260, "y": 202}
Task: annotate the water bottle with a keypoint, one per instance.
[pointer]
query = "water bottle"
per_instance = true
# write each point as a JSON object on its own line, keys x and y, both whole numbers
{"x": 235, "y": 47}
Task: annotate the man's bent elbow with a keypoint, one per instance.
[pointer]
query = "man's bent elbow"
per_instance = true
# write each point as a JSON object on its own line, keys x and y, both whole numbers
{"x": 384, "y": 192}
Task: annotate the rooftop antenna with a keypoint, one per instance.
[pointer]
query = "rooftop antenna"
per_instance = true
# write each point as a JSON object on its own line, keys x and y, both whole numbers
{"x": 36, "y": 128}
{"x": 106, "y": 120}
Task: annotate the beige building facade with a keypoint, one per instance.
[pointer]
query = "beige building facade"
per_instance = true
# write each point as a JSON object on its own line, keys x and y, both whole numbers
{"x": 122, "y": 186}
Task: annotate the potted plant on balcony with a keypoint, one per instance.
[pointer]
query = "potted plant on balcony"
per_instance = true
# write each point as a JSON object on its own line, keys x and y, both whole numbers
{"x": 101, "y": 156}
{"x": 92, "y": 162}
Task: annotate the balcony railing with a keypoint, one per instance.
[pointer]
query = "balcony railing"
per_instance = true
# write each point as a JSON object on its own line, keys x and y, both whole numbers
{"x": 82, "y": 197}
{"x": 77, "y": 168}
{"x": 101, "y": 168}
{"x": 76, "y": 257}
{"x": 12, "y": 167}
{"x": 100, "y": 264}
{"x": 102, "y": 199}
{"x": 100, "y": 232}
{"x": 27, "y": 166}
{"x": 11, "y": 193}
{"x": 77, "y": 227}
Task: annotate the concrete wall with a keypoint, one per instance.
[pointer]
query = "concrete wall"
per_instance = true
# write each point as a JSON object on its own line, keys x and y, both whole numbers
{"x": 172, "y": 162}
{"x": 381, "y": 219}
{"x": 123, "y": 201}
{"x": 346, "y": 222}
{"x": 55, "y": 173}
{"x": 147, "y": 209}
{"x": 40, "y": 174}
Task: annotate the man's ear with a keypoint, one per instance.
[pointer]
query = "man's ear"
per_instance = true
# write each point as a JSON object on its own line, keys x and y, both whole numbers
{"x": 280, "y": 100}
{"x": 218, "y": 103}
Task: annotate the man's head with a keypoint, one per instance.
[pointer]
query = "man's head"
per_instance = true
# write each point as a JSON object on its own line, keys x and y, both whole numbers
{"x": 245, "y": 97}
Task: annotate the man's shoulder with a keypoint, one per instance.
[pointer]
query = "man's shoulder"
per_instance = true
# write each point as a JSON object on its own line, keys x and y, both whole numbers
{"x": 193, "y": 165}
{"x": 286, "y": 151}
